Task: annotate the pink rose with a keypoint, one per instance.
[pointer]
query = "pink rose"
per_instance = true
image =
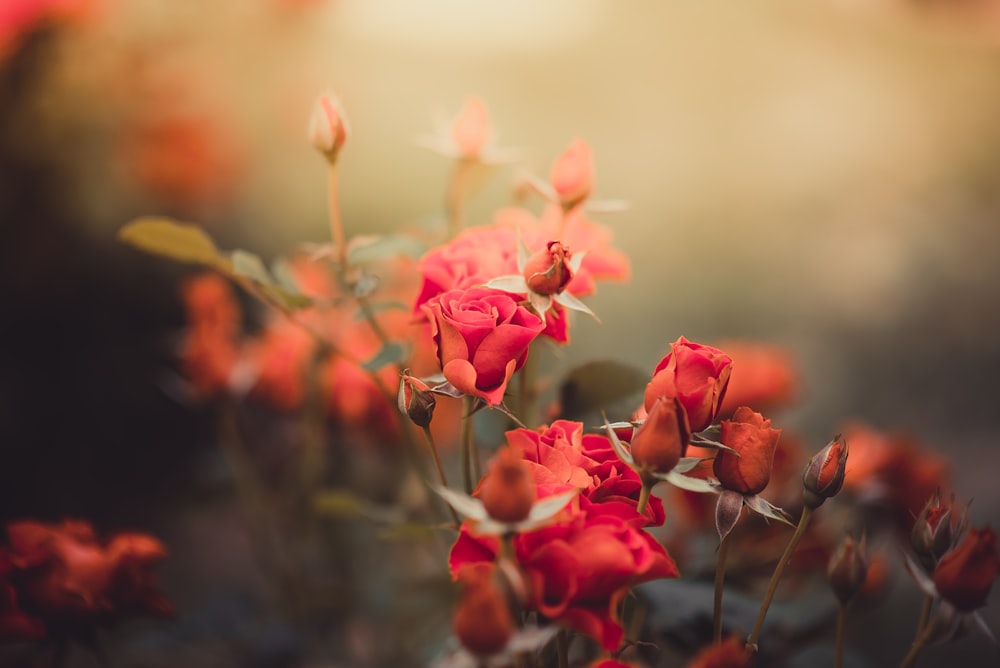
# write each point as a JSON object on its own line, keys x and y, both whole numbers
{"x": 482, "y": 338}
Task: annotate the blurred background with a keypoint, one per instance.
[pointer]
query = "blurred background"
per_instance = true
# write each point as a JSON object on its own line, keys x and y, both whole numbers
{"x": 825, "y": 177}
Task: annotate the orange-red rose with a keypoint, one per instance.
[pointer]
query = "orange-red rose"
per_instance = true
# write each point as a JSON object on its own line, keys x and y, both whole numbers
{"x": 751, "y": 435}
{"x": 697, "y": 375}
{"x": 482, "y": 338}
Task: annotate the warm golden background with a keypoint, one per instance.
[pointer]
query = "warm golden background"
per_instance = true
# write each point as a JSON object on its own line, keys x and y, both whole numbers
{"x": 821, "y": 175}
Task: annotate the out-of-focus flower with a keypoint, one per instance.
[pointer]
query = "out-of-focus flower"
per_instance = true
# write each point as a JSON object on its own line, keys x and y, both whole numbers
{"x": 471, "y": 129}
{"x": 935, "y": 531}
{"x": 893, "y": 471}
{"x": 848, "y": 568}
{"x": 965, "y": 575}
{"x": 328, "y": 128}
{"x": 281, "y": 357}
{"x": 546, "y": 272}
{"x": 15, "y": 623}
{"x": 482, "y": 622}
{"x": 482, "y": 338}
{"x": 697, "y": 375}
{"x": 508, "y": 489}
{"x": 20, "y": 17}
{"x": 572, "y": 174}
{"x": 579, "y": 569}
{"x": 763, "y": 376}
{"x": 751, "y": 435}
{"x": 65, "y": 577}
{"x": 729, "y": 654}
{"x": 660, "y": 442}
{"x": 611, "y": 663}
{"x": 210, "y": 349}
{"x": 824, "y": 476}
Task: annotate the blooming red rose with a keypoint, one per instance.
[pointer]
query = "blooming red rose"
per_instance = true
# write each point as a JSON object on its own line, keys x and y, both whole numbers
{"x": 482, "y": 338}
{"x": 64, "y": 576}
{"x": 579, "y": 569}
{"x": 751, "y": 435}
{"x": 697, "y": 375}
{"x": 965, "y": 575}
{"x": 563, "y": 457}
{"x": 659, "y": 443}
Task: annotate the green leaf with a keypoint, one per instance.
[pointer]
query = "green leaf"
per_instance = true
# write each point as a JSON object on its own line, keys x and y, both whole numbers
{"x": 168, "y": 238}
{"x": 607, "y": 385}
{"x": 381, "y": 307}
{"x": 391, "y": 353}
{"x": 248, "y": 265}
{"x": 387, "y": 246}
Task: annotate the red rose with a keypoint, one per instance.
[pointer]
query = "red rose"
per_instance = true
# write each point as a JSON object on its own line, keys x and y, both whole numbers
{"x": 66, "y": 577}
{"x": 697, "y": 375}
{"x": 563, "y": 457}
{"x": 965, "y": 575}
{"x": 482, "y": 338}
{"x": 749, "y": 434}
{"x": 579, "y": 569}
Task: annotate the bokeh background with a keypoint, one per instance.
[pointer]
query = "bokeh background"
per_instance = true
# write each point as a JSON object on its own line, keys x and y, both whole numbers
{"x": 822, "y": 176}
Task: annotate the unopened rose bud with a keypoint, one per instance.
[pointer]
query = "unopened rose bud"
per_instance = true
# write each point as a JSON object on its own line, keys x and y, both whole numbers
{"x": 415, "y": 400}
{"x": 750, "y": 434}
{"x": 471, "y": 128}
{"x": 848, "y": 569}
{"x": 508, "y": 490}
{"x": 660, "y": 442}
{"x": 328, "y": 129}
{"x": 546, "y": 272}
{"x": 572, "y": 175}
{"x": 824, "y": 476}
{"x": 932, "y": 533}
{"x": 965, "y": 575}
{"x": 483, "y": 622}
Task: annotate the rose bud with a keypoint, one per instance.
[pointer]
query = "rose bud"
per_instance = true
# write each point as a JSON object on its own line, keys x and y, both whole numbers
{"x": 572, "y": 175}
{"x": 546, "y": 272}
{"x": 328, "y": 127}
{"x": 932, "y": 532}
{"x": 697, "y": 375}
{"x": 965, "y": 575}
{"x": 415, "y": 400}
{"x": 848, "y": 569}
{"x": 751, "y": 435}
{"x": 660, "y": 442}
{"x": 471, "y": 128}
{"x": 508, "y": 490}
{"x": 824, "y": 476}
{"x": 482, "y": 622}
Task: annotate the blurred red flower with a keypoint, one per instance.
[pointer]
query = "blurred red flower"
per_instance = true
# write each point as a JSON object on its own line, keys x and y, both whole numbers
{"x": 965, "y": 575}
{"x": 763, "y": 376}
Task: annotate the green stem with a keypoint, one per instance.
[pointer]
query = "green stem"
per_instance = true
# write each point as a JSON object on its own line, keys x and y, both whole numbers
{"x": 838, "y": 656}
{"x": 720, "y": 580}
{"x": 455, "y": 196}
{"x": 527, "y": 394}
{"x": 918, "y": 645}
{"x": 776, "y": 576}
{"x": 925, "y": 613}
{"x": 440, "y": 470}
{"x": 468, "y": 444}
{"x": 336, "y": 224}
{"x": 647, "y": 487}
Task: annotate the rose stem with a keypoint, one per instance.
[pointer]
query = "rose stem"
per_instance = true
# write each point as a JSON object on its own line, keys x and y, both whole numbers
{"x": 455, "y": 194}
{"x": 925, "y": 613}
{"x": 918, "y": 644}
{"x": 720, "y": 580}
{"x": 562, "y": 644}
{"x": 647, "y": 487}
{"x": 838, "y": 656}
{"x": 468, "y": 444}
{"x": 336, "y": 225}
{"x": 440, "y": 470}
{"x": 776, "y": 576}
{"x": 526, "y": 388}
